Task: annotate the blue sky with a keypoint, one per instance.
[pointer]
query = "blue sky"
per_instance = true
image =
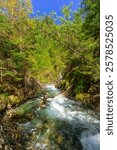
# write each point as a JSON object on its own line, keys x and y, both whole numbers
{"x": 52, "y": 5}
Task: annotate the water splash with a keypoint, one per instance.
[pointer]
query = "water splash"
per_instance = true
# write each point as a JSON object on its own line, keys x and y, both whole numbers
{"x": 91, "y": 143}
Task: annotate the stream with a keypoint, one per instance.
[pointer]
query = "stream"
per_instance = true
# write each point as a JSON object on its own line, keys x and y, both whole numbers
{"x": 61, "y": 124}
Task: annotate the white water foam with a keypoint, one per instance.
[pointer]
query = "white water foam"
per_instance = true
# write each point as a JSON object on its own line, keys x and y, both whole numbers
{"x": 50, "y": 86}
{"x": 60, "y": 105}
{"x": 91, "y": 143}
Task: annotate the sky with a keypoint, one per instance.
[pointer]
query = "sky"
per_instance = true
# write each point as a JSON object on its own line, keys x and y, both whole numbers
{"x": 48, "y": 6}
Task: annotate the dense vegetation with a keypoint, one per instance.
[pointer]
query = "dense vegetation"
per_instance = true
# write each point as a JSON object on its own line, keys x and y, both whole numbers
{"x": 42, "y": 48}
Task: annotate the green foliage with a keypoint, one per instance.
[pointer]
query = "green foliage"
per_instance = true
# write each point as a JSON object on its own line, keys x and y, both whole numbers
{"x": 82, "y": 66}
{"x": 66, "y": 11}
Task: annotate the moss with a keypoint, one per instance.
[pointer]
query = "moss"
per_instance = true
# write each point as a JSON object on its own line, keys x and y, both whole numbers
{"x": 83, "y": 97}
{"x": 89, "y": 100}
{"x": 13, "y": 100}
{"x": 80, "y": 97}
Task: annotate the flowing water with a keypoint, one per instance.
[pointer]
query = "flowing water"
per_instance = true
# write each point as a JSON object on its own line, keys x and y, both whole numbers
{"x": 62, "y": 124}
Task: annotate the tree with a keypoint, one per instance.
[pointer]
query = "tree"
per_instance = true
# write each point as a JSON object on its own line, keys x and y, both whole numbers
{"x": 81, "y": 76}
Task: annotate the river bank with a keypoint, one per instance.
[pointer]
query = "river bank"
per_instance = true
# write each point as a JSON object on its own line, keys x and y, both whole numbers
{"x": 89, "y": 99}
{"x": 13, "y": 95}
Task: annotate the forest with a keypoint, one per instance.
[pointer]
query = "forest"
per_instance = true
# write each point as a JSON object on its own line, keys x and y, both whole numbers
{"x": 37, "y": 50}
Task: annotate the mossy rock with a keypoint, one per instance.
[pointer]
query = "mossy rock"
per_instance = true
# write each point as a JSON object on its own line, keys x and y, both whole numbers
{"x": 25, "y": 110}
